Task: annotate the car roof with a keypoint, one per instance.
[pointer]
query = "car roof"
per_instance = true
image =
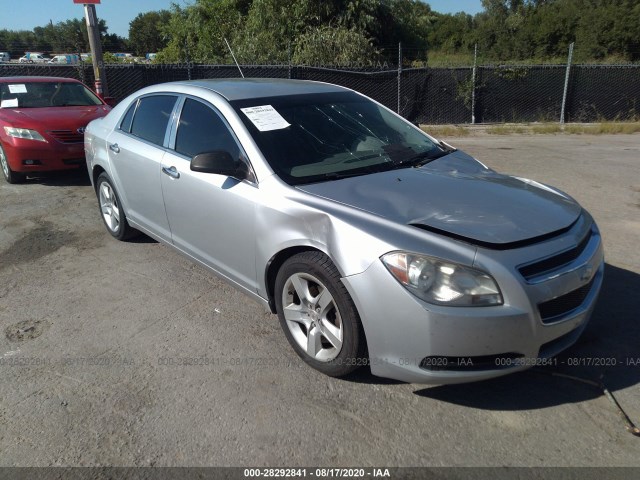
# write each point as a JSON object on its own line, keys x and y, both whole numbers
{"x": 247, "y": 88}
{"x": 37, "y": 79}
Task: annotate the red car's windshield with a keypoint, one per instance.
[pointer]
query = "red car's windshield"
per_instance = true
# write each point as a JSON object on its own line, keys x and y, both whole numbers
{"x": 46, "y": 94}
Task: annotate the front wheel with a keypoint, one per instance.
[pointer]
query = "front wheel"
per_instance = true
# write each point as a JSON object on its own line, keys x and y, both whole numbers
{"x": 318, "y": 315}
{"x": 9, "y": 175}
{"x": 111, "y": 210}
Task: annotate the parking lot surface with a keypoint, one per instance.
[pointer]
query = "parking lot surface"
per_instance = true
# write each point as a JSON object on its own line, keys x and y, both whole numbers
{"x": 126, "y": 354}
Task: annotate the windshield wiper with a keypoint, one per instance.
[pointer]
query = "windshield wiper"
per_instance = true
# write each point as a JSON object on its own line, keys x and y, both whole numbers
{"x": 347, "y": 174}
{"x": 325, "y": 177}
{"x": 422, "y": 158}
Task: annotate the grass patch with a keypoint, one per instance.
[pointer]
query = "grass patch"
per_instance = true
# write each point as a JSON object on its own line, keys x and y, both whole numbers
{"x": 605, "y": 128}
{"x": 447, "y": 131}
{"x": 546, "y": 128}
{"x": 441, "y": 59}
{"x": 506, "y": 130}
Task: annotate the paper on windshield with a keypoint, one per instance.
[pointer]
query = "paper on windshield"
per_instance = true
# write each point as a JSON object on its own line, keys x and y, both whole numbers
{"x": 18, "y": 88}
{"x": 265, "y": 118}
{"x": 9, "y": 103}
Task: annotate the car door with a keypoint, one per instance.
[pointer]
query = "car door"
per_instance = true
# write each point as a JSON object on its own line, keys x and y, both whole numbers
{"x": 212, "y": 217}
{"x": 136, "y": 149}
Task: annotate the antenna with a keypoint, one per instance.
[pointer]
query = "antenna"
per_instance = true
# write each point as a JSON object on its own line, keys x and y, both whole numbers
{"x": 234, "y": 57}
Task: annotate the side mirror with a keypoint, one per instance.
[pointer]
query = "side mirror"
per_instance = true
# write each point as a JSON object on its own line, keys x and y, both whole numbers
{"x": 219, "y": 162}
{"x": 111, "y": 101}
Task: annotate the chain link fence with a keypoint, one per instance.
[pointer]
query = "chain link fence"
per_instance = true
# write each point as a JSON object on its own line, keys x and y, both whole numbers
{"x": 473, "y": 93}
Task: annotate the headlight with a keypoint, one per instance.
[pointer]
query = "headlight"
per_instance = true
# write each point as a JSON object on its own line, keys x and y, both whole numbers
{"x": 24, "y": 133}
{"x": 441, "y": 282}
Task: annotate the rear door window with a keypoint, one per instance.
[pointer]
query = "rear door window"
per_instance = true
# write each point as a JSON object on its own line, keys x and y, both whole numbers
{"x": 152, "y": 117}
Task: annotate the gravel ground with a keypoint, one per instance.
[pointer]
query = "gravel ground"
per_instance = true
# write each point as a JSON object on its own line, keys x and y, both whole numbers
{"x": 95, "y": 334}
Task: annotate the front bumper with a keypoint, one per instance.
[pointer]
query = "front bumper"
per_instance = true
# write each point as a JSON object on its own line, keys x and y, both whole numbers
{"x": 416, "y": 342}
{"x": 27, "y": 156}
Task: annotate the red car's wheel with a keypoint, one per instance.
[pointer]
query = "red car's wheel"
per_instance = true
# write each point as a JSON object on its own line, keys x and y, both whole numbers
{"x": 9, "y": 175}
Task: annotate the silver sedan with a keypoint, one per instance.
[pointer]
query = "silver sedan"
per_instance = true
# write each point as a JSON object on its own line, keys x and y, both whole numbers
{"x": 375, "y": 243}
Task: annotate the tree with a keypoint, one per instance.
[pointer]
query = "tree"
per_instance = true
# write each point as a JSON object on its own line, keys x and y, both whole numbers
{"x": 452, "y": 33}
{"x": 143, "y": 32}
{"x": 272, "y": 27}
{"x": 197, "y": 32}
{"x": 339, "y": 46}
{"x": 69, "y": 36}
{"x": 273, "y": 31}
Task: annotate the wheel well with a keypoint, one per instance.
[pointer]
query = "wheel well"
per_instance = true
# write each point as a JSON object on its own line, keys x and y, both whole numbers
{"x": 273, "y": 266}
{"x": 97, "y": 170}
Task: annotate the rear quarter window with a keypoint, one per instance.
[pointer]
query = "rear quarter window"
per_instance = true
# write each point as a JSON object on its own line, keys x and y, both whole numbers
{"x": 127, "y": 120}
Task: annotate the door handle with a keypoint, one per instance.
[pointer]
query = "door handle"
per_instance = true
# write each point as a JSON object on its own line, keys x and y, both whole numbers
{"x": 114, "y": 148}
{"x": 171, "y": 171}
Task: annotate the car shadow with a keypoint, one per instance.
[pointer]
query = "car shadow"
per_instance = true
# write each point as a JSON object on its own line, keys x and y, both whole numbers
{"x": 601, "y": 355}
{"x": 142, "y": 238}
{"x": 363, "y": 375}
{"x": 62, "y": 178}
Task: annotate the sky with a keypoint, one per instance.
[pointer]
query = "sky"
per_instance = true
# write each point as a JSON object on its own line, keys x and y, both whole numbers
{"x": 27, "y": 14}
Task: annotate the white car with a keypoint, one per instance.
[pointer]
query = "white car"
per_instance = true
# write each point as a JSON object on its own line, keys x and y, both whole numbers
{"x": 65, "y": 59}
{"x": 33, "y": 58}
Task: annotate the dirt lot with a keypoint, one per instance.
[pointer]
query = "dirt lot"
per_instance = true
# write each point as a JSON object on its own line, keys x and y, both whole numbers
{"x": 127, "y": 354}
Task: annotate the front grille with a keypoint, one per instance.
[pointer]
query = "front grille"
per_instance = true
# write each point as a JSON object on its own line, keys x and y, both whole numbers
{"x": 67, "y": 136}
{"x": 553, "y": 263}
{"x": 470, "y": 364}
{"x": 564, "y": 304}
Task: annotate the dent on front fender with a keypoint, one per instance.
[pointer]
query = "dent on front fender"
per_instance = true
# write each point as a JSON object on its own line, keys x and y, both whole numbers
{"x": 284, "y": 225}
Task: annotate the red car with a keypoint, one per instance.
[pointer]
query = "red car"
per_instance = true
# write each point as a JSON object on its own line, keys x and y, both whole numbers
{"x": 42, "y": 122}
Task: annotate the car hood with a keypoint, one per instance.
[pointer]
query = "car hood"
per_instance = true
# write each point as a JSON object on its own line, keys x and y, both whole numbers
{"x": 458, "y": 196}
{"x": 52, "y": 118}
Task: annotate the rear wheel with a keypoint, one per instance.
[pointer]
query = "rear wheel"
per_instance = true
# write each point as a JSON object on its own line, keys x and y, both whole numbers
{"x": 318, "y": 316}
{"x": 9, "y": 175}
{"x": 111, "y": 210}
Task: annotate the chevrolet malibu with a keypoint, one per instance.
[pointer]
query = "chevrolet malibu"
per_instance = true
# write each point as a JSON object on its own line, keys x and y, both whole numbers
{"x": 42, "y": 122}
{"x": 373, "y": 242}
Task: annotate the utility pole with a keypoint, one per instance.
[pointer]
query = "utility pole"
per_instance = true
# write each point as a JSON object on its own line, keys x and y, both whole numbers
{"x": 399, "y": 76}
{"x": 473, "y": 85}
{"x": 96, "y": 47}
{"x": 566, "y": 83}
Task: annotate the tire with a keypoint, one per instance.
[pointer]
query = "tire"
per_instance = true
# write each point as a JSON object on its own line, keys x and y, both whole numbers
{"x": 9, "y": 175}
{"x": 111, "y": 210}
{"x": 324, "y": 327}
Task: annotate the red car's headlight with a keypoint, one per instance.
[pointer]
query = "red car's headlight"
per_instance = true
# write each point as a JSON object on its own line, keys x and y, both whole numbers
{"x": 24, "y": 133}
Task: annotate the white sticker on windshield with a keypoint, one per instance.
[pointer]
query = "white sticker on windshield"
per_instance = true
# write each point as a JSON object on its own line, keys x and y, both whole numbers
{"x": 10, "y": 103}
{"x": 265, "y": 118}
{"x": 18, "y": 88}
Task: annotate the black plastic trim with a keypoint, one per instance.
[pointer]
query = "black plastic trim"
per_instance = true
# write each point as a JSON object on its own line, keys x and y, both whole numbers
{"x": 556, "y": 261}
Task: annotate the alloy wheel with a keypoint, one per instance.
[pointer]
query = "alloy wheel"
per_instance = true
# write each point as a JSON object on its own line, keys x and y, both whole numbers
{"x": 109, "y": 207}
{"x": 312, "y": 316}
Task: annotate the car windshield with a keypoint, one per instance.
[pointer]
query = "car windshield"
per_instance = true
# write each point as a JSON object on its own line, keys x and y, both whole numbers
{"x": 46, "y": 94}
{"x": 320, "y": 137}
